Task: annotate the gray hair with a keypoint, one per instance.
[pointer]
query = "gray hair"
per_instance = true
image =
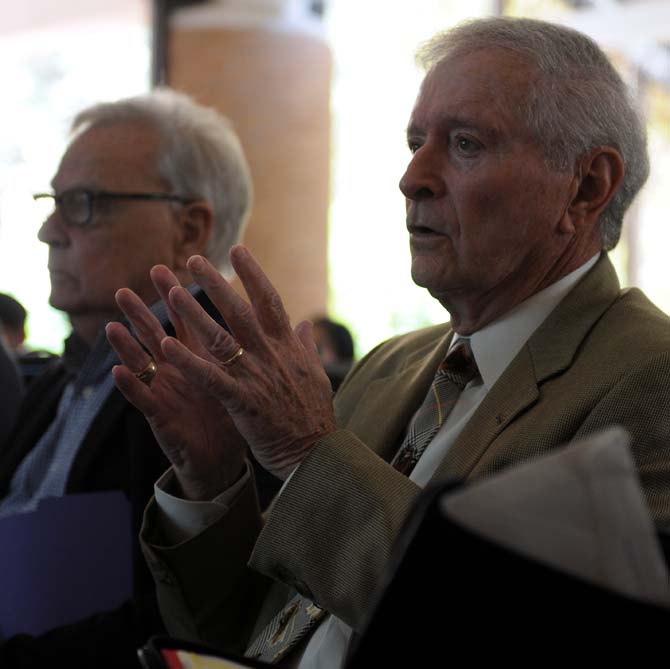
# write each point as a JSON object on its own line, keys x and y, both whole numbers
{"x": 577, "y": 103}
{"x": 200, "y": 157}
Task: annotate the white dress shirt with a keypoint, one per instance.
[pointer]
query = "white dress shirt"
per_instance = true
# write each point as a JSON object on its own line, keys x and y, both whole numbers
{"x": 494, "y": 347}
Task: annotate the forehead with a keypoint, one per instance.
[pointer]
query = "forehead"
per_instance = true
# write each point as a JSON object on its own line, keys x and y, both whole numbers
{"x": 488, "y": 88}
{"x": 111, "y": 156}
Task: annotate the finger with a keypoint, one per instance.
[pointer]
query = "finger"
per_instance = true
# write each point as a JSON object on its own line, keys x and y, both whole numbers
{"x": 219, "y": 343}
{"x": 164, "y": 280}
{"x": 237, "y": 313}
{"x": 146, "y": 326}
{"x": 136, "y": 392}
{"x": 131, "y": 354}
{"x": 263, "y": 296}
{"x": 304, "y": 331}
{"x": 206, "y": 375}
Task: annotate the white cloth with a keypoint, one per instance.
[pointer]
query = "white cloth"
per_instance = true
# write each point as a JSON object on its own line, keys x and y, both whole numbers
{"x": 580, "y": 509}
{"x": 183, "y": 519}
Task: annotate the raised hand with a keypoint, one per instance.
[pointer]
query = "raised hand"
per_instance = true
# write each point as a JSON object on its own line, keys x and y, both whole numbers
{"x": 267, "y": 375}
{"x": 190, "y": 424}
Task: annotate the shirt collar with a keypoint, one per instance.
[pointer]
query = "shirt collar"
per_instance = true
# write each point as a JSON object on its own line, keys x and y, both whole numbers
{"x": 496, "y": 345}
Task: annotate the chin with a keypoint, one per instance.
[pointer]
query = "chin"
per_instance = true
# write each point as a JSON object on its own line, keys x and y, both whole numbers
{"x": 59, "y": 302}
{"x": 70, "y": 304}
{"x": 428, "y": 277}
{"x": 420, "y": 275}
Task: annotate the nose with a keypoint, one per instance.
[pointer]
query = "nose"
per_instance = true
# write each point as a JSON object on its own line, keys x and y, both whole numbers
{"x": 423, "y": 178}
{"x": 53, "y": 231}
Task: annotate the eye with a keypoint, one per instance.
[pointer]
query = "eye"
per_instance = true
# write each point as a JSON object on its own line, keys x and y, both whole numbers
{"x": 413, "y": 146}
{"x": 466, "y": 145}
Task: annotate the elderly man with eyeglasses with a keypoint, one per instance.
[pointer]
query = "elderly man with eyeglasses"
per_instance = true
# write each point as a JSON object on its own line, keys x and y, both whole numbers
{"x": 145, "y": 181}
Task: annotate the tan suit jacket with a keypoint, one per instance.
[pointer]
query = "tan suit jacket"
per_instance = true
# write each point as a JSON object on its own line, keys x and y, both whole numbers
{"x": 602, "y": 357}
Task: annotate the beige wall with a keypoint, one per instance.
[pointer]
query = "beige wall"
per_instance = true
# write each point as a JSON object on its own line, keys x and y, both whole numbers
{"x": 274, "y": 85}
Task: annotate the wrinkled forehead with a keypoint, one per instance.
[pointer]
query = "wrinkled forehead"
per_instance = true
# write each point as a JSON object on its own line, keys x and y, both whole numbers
{"x": 495, "y": 83}
{"x": 498, "y": 66}
{"x": 110, "y": 155}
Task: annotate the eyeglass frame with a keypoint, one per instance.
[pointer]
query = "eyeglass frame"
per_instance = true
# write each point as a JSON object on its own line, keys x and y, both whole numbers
{"x": 92, "y": 195}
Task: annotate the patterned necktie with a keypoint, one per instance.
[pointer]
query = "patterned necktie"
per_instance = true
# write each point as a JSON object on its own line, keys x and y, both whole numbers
{"x": 453, "y": 374}
{"x": 286, "y": 630}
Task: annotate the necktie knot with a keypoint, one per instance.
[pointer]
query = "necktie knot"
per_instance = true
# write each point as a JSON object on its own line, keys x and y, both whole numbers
{"x": 453, "y": 374}
{"x": 459, "y": 366}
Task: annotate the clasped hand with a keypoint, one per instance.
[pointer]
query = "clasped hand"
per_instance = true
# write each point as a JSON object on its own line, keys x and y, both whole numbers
{"x": 274, "y": 397}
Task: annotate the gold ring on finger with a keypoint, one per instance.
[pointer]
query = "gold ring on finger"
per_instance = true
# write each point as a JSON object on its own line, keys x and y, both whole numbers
{"x": 233, "y": 358}
{"x": 146, "y": 376}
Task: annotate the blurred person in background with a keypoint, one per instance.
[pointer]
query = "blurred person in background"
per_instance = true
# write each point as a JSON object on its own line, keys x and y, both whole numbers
{"x": 13, "y": 317}
{"x": 336, "y": 348}
{"x": 13, "y": 323}
{"x": 144, "y": 181}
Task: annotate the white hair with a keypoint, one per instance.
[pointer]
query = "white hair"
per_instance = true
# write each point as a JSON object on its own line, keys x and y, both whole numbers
{"x": 577, "y": 101}
{"x": 200, "y": 157}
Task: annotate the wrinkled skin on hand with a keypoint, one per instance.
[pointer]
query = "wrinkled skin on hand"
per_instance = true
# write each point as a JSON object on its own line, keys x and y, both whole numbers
{"x": 191, "y": 425}
{"x": 276, "y": 392}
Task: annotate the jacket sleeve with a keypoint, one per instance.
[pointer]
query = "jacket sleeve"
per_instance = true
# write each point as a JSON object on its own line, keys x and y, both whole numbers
{"x": 328, "y": 534}
{"x": 331, "y": 530}
{"x": 205, "y": 590}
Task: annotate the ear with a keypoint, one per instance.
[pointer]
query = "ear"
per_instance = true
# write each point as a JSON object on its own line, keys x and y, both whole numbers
{"x": 599, "y": 175}
{"x": 195, "y": 221}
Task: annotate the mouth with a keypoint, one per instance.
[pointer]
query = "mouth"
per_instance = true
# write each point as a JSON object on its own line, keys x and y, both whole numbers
{"x": 418, "y": 231}
{"x": 58, "y": 274}
{"x": 424, "y": 239}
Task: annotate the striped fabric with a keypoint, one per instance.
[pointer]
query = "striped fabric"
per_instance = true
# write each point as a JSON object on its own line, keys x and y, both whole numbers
{"x": 286, "y": 630}
{"x": 455, "y": 372}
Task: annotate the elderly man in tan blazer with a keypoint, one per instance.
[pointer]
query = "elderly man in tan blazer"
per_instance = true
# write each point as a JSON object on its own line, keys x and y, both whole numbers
{"x": 526, "y": 152}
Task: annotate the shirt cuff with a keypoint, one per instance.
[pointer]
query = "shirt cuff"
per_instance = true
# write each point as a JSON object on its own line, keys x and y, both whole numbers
{"x": 182, "y": 519}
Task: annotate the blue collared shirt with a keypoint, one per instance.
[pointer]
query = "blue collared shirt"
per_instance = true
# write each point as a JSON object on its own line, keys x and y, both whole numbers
{"x": 45, "y": 471}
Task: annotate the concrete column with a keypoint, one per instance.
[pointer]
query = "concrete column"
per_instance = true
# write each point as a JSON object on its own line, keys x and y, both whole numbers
{"x": 269, "y": 71}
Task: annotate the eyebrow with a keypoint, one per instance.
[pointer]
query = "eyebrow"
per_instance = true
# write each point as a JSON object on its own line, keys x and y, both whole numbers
{"x": 451, "y": 122}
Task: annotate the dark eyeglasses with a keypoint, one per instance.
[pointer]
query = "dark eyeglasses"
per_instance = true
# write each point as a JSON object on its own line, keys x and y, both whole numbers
{"x": 76, "y": 204}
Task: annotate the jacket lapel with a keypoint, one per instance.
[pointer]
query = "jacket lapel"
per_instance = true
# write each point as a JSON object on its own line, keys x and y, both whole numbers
{"x": 97, "y": 438}
{"x": 514, "y": 391}
{"x": 549, "y": 351}
{"x": 38, "y": 410}
{"x": 388, "y": 403}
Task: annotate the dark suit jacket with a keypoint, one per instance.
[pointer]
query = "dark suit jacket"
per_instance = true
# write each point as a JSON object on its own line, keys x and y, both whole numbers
{"x": 119, "y": 452}
{"x": 12, "y": 390}
{"x": 601, "y": 357}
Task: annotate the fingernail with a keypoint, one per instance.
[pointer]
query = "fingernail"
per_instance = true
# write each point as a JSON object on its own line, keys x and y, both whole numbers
{"x": 176, "y": 294}
{"x": 196, "y": 264}
{"x": 169, "y": 345}
{"x": 238, "y": 251}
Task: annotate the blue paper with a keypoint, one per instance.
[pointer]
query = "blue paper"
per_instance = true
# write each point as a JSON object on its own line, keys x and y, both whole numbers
{"x": 70, "y": 558}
